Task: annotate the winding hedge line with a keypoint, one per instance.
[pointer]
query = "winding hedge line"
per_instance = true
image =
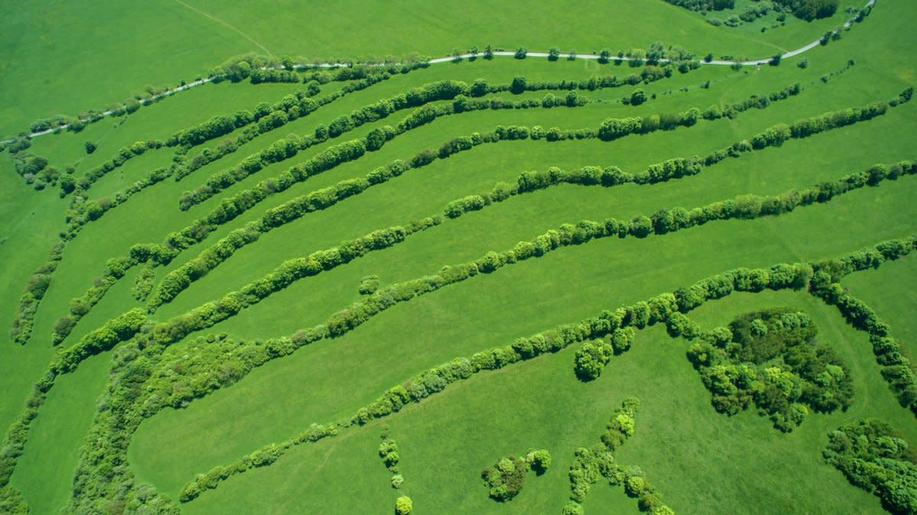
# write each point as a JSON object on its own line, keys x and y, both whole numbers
{"x": 35, "y": 291}
{"x": 665, "y": 308}
{"x": 178, "y": 390}
{"x": 463, "y": 94}
{"x": 897, "y": 369}
{"x": 179, "y": 279}
{"x": 639, "y": 315}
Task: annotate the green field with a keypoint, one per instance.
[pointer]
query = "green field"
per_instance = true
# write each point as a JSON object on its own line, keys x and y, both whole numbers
{"x": 224, "y": 300}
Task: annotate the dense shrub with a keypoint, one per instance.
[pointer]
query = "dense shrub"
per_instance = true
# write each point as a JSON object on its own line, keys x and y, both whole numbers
{"x": 404, "y": 505}
{"x": 504, "y": 480}
{"x": 772, "y": 361}
{"x": 810, "y": 9}
{"x": 592, "y": 357}
{"x": 877, "y": 459}
{"x": 890, "y": 354}
{"x": 32, "y": 296}
{"x": 116, "y": 330}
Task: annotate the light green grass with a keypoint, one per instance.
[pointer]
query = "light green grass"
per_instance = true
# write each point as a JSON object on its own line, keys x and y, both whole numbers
{"x": 103, "y": 63}
{"x": 692, "y": 454}
{"x": 892, "y": 292}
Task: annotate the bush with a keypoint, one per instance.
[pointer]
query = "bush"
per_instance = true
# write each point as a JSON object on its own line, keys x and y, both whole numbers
{"x": 404, "y": 505}
{"x": 877, "y": 459}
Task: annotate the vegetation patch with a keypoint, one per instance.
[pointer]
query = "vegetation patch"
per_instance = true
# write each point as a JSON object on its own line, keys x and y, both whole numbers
{"x": 771, "y": 359}
{"x": 504, "y": 479}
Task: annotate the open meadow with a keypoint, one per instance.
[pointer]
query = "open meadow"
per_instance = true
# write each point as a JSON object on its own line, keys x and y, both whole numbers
{"x": 633, "y": 256}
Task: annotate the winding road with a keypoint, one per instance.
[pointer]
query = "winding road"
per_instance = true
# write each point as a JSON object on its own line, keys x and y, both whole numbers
{"x": 439, "y": 60}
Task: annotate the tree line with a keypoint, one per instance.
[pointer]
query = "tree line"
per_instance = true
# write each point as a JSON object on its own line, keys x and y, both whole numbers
{"x": 655, "y": 310}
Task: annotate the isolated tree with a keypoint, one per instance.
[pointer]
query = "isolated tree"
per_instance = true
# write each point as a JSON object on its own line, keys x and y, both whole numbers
{"x": 404, "y": 505}
{"x": 90, "y": 147}
{"x": 553, "y": 54}
{"x": 637, "y": 97}
{"x": 375, "y": 139}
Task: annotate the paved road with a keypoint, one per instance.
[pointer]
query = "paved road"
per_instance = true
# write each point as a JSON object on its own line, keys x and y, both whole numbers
{"x": 758, "y": 62}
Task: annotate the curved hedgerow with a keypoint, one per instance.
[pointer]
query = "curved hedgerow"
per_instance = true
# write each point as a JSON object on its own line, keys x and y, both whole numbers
{"x": 179, "y": 279}
{"x": 420, "y": 97}
{"x": 231, "y": 208}
{"x": 126, "y": 403}
{"x": 339, "y": 323}
{"x": 661, "y": 309}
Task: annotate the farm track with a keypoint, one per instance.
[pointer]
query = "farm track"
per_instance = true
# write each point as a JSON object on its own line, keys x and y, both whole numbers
{"x": 440, "y": 60}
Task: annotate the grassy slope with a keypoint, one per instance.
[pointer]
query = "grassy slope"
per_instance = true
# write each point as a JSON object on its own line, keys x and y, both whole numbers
{"x": 690, "y": 452}
{"x": 520, "y": 300}
{"x": 103, "y": 62}
{"x": 156, "y": 208}
{"x": 892, "y": 292}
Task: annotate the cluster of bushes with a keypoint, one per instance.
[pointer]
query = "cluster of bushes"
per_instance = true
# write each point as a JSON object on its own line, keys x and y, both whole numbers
{"x": 404, "y": 505}
{"x": 805, "y": 9}
{"x": 592, "y": 357}
{"x": 504, "y": 479}
{"x": 369, "y": 284}
{"x": 202, "y": 378}
{"x": 260, "y": 458}
{"x": 229, "y": 146}
{"x": 771, "y": 359}
{"x": 143, "y": 283}
{"x": 599, "y": 462}
{"x": 388, "y": 451}
{"x": 877, "y": 459}
{"x": 118, "y": 329}
{"x": 115, "y": 269}
{"x": 615, "y": 128}
{"x": 704, "y": 5}
{"x": 11, "y": 502}
{"x": 892, "y": 357}
{"x": 809, "y": 9}
{"x": 36, "y": 172}
{"x": 34, "y": 292}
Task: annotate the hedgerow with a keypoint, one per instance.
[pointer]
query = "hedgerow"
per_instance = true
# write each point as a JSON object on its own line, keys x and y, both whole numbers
{"x": 895, "y": 364}
{"x": 664, "y": 221}
{"x": 421, "y": 96}
{"x": 877, "y": 459}
{"x": 35, "y": 291}
{"x": 639, "y": 315}
{"x": 181, "y": 278}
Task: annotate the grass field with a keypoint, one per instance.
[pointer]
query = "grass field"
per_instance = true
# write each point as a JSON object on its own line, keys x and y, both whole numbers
{"x": 200, "y": 405}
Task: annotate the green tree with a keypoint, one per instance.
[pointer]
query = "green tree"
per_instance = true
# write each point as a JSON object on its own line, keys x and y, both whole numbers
{"x": 404, "y": 505}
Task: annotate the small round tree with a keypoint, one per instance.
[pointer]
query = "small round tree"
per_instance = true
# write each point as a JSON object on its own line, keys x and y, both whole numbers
{"x": 404, "y": 505}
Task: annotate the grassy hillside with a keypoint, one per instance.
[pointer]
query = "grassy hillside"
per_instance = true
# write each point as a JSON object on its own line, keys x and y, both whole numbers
{"x": 223, "y": 301}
